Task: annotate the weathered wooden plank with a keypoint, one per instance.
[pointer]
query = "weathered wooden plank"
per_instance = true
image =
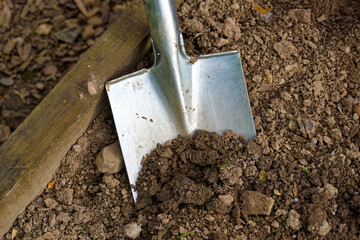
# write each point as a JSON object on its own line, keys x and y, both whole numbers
{"x": 31, "y": 155}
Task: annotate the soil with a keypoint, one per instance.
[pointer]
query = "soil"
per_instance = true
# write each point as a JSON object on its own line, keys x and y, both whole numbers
{"x": 34, "y": 55}
{"x": 298, "y": 179}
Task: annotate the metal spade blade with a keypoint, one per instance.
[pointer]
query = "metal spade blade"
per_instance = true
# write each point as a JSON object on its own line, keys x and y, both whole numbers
{"x": 176, "y": 96}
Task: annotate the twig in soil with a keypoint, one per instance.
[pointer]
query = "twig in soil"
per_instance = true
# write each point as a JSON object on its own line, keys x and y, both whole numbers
{"x": 167, "y": 228}
{"x": 304, "y": 169}
{"x": 186, "y": 234}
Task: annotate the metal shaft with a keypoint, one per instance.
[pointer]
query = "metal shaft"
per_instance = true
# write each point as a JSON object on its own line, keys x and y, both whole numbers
{"x": 164, "y": 26}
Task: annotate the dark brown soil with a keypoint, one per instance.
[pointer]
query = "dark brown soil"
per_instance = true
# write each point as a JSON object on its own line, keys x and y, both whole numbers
{"x": 196, "y": 185}
{"x": 301, "y": 64}
{"x": 33, "y": 57}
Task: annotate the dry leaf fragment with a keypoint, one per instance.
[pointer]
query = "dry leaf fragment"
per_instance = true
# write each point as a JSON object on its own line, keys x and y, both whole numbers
{"x": 26, "y": 52}
{"x": 2, "y": 18}
{"x": 43, "y": 29}
{"x": 82, "y": 7}
{"x": 9, "y": 46}
{"x": 7, "y": 13}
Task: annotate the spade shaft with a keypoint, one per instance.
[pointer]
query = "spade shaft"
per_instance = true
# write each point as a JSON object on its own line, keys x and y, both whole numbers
{"x": 176, "y": 96}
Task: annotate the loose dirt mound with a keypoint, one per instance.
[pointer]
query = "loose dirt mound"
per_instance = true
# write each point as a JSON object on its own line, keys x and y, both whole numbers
{"x": 214, "y": 187}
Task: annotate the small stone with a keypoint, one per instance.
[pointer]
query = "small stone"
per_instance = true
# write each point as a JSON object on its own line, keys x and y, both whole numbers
{"x": 348, "y": 103}
{"x": 26, "y": 52}
{"x": 336, "y": 172}
{"x": 331, "y": 191}
{"x": 51, "y": 203}
{"x": 132, "y": 230}
{"x": 91, "y": 88}
{"x": 182, "y": 230}
{"x": 219, "y": 236}
{"x": 27, "y": 227}
{"x": 69, "y": 34}
{"x": 40, "y": 86}
{"x": 269, "y": 78}
{"x": 110, "y": 181}
{"x": 5, "y": 132}
{"x": 357, "y": 109}
{"x": 242, "y": 237}
{"x": 88, "y": 32}
{"x": 48, "y": 235}
{"x": 252, "y": 223}
{"x": 321, "y": 18}
{"x": 209, "y": 218}
{"x": 303, "y": 162}
{"x": 317, "y": 222}
{"x": 317, "y": 88}
{"x": 275, "y": 224}
{"x": 97, "y": 231}
{"x": 255, "y": 203}
{"x": 50, "y": 70}
{"x": 293, "y": 221}
{"x": 222, "y": 204}
{"x": 77, "y": 148}
{"x": 307, "y": 102}
{"x": 309, "y": 126}
{"x": 300, "y": 15}
{"x": 267, "y": 229}
{"x": 231, "y": 30}
{"x": 226, "y": 199}
{"x": 324, "y": 228}
{"x": 231, "y": 175}
{"x": 43, "y": 29}
{"x": 285, "y": 49}
{"x": 9, "y": 46}
{"x": 165, "y": 221}
{"x": 95, "y": 21}
{"x": 277, "y": 192}
{"x": 65, "y": 196}
{"x": 52, "y": 219}
{"x": 356, "y": 203}
{"x": 221, "y": 42}
{"x": 252, "y": 63}
{"x": 167, "y": 153}
{"x": 347, "y": 50}
{"x": 110, "y": 159}
{"x": 63, "y": 217}
{"x": 257, "y": 78}
{"x": 7, "y": 82}
{"x": 290, "y": 67}
{"x": 235, "y": 6}
{"x": 327, "y": 140}
{"x": 280, "y": 212}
